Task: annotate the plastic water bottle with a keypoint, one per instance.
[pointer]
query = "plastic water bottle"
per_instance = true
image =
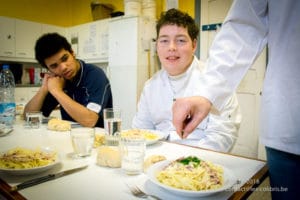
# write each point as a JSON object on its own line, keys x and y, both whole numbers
{"x": 7, "y": 99}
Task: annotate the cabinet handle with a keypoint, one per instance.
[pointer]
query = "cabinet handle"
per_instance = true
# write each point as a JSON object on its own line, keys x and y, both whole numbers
{"x": 8, "y": 53}
{"x": 22, "y": 54}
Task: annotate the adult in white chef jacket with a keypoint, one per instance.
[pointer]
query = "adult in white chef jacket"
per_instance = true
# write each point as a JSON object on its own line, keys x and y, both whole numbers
{"x": 249, "y": 26}
{"x": 176, "y": 43}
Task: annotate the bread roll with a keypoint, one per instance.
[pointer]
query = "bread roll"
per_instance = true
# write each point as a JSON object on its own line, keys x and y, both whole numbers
{"x": 109, "y": 156}
{"x": 59, "y": 125}
{"x": 153, "y": 159}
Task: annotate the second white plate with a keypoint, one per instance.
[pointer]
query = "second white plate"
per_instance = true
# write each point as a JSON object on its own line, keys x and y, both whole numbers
{"x": 229, "y": 181}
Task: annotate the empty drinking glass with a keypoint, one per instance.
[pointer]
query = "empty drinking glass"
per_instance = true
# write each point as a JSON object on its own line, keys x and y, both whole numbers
{"x": 82, "y": 141}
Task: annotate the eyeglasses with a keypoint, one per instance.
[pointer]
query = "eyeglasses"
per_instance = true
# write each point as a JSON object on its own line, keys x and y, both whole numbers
{"x": 165, "y": 42}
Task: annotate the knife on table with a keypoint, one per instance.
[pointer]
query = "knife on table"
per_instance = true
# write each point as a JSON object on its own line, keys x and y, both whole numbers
{"x": 43, "y": 179}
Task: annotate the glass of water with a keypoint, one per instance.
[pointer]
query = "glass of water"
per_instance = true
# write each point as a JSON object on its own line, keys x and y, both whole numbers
{"x": 132, "y": 154}
{"x": 82, "y": 141}
{"x": 112, "y": 126}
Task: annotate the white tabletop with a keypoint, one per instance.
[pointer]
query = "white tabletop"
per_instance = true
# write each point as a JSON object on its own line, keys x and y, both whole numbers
{"x": 97, "y": 182}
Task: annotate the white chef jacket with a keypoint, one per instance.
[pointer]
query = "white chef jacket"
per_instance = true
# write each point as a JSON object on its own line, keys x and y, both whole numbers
{"x": 218, "y": 131}
{"x": 249, "y": 26}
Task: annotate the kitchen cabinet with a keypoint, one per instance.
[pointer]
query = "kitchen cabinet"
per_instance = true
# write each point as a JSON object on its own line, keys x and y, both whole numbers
{"x": 90, "y": 41}
{"x": 128, "y": 62}
{"x": 18, "y": 37}
{"x": 24, "y": 94}
{"x": 103, "y": 38}
{"x": 7, "y": 37}
{"x": 73, "y": 37}
{"x": 27, "y": 33}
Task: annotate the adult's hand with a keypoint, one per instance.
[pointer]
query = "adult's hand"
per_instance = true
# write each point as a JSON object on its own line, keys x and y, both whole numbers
{"x": 188, "y": 113}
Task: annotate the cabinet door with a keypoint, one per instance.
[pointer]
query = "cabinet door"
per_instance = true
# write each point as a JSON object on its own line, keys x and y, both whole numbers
{"x": 73, "y": 38}
{"x": 103, "y": 39}
{"x": 93, "y": 41}
{"x": 24, "y": 94}
{"x": 7, "y": 37}
{"x": 47, "y": 28}
{"x": 88, "y": 40}
{"x": 27, "y": 33}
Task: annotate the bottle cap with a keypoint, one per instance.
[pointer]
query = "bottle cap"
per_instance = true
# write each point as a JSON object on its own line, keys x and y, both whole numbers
{"x": 5, "y": 67}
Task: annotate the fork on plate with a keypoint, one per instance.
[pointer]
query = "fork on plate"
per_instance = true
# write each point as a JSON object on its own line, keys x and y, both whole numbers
{"x": 139, "y": 193}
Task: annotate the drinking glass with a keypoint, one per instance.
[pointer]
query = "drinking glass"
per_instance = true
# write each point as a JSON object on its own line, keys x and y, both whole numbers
{"x": 112, "y": 126}
{"x": 132, "y": 154}
{"x": 34, "y": 119}
{"x": 82, "y": 141}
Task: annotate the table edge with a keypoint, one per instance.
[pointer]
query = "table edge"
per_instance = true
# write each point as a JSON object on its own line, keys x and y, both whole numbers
{"x": 5, "y": 192}
{"x": 245, "y": 191}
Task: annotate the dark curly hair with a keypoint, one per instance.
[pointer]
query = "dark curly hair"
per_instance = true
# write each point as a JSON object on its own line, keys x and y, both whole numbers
{"x": 48, "y": 45}
{"x": 179, "y": 18}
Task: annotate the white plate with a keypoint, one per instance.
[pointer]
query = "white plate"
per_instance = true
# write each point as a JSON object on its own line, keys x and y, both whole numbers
{"x": 160, "y": 136}
{"x": 34, "y": 170}
{"x": 229, "y": 181}
{"x": 4, "y": 131}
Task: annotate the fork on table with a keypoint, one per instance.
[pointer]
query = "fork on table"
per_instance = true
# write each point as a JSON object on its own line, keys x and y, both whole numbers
{"x": 139, "y": 193}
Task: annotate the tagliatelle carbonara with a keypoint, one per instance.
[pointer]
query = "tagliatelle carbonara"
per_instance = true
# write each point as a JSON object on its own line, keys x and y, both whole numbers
{"x": 22, "y": 158}
{"x": 139, "y": 132}
{"x": 193, "y": 174}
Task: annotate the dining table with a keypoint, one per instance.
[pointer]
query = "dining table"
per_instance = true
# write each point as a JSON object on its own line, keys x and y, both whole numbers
{"x": 98, "y": 182}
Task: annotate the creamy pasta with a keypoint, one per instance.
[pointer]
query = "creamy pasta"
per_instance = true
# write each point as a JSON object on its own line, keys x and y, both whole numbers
{"x": 22, "y": 158}
{"x": 137, "y": 132}
{"x": 192, "y": 174}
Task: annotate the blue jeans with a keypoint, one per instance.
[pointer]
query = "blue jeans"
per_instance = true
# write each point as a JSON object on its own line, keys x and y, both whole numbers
{"x": 284, "y": 171}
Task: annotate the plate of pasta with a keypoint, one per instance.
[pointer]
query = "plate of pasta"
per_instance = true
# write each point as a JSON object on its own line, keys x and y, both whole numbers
{"x": 25, "y": 161}
{"x": 151, "y": 136}
{"x": 191, "y": 177}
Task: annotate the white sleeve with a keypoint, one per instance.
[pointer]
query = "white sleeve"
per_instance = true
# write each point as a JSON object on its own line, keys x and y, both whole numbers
{"x": 241, "y": 39}
{"x": 222, "y": 127}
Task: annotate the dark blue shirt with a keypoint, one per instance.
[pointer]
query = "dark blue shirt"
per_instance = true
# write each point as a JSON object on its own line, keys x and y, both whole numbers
{"x": 89, "y": 87}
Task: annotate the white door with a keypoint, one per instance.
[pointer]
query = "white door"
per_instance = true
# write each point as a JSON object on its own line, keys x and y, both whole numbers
{"x": 128, "y": 68}
{"x": 123, "y": 66}
{"x": 247, "y": 144}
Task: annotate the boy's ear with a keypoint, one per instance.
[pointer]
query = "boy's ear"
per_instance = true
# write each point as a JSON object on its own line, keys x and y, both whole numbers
{"x": 195, "y": 44}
